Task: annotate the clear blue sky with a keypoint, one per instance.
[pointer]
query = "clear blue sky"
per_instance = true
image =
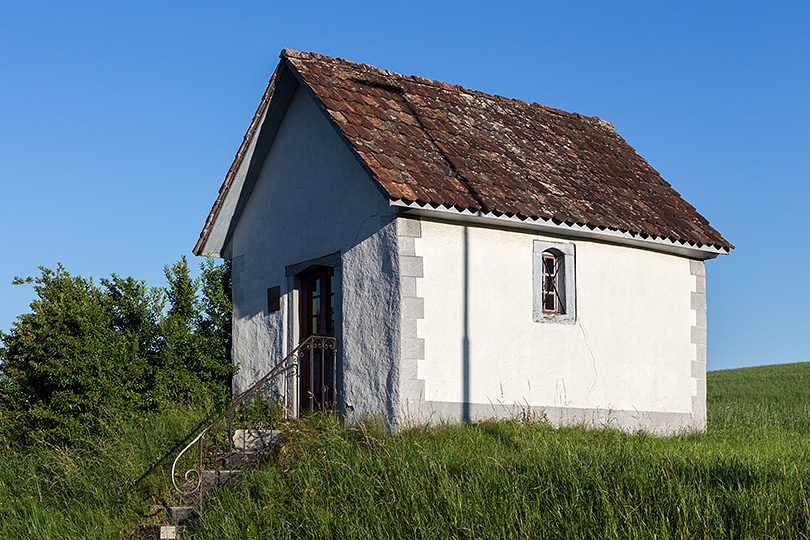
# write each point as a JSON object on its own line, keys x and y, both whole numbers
{"x": 119, "y": 121}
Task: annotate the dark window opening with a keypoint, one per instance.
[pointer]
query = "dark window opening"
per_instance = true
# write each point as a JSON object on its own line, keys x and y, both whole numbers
{"x": 552, "y": 269}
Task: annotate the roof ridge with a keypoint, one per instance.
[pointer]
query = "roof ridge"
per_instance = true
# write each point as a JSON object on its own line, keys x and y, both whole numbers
{"x": 416, "y": 79}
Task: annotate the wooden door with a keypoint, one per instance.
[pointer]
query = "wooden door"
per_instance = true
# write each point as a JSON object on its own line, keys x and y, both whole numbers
{"x": 317, "y": 367}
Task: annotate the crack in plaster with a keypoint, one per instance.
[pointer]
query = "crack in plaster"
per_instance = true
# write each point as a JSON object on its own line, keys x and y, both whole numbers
{"x": 590, "y": 351}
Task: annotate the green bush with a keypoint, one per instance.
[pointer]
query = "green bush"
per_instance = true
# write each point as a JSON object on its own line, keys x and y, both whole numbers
{"x": 89, "y": 355}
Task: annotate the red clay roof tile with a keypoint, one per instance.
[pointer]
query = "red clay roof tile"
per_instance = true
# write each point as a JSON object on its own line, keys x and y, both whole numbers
{"x": 444, "y": 145}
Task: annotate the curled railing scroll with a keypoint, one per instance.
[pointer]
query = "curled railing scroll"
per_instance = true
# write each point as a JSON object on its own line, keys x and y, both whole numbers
{"x": 304, "y": 381}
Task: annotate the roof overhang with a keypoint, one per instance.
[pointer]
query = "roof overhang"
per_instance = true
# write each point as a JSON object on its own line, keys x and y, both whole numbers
{"x": 559, "y": 229}
{"x": 214, "y": 241}
{"x": 216, "y": 235}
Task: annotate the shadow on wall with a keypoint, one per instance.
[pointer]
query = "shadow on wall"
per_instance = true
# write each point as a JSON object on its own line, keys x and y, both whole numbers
{"x": 455, "y": 168}
{"x": 465, "y": 340}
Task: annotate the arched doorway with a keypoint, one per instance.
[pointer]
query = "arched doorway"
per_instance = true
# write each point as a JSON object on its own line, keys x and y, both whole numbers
{"x": 317, "y": 369}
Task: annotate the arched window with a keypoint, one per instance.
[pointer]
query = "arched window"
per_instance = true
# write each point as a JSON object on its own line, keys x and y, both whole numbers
{"x": 554, "y": 283}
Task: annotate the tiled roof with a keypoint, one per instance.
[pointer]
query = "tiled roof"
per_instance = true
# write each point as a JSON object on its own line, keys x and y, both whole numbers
{"x": 433, "y": 143}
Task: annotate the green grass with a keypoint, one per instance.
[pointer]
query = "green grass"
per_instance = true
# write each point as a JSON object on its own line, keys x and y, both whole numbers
{"x": 748, "y": 477}
{"x": 769, "y": 401}
{"x": 94, "y": 489}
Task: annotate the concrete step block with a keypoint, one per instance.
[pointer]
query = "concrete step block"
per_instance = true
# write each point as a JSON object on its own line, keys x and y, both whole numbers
{"x": 219, "y": 479}
{"x": 158, "y": 531}
{"x": 238, "y": 458}
{"x": 257, "y": 440}
{"x": 180, "y": 515}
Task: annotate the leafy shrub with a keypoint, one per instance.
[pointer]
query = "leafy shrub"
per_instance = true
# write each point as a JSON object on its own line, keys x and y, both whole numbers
{"x": 89, "y": 355}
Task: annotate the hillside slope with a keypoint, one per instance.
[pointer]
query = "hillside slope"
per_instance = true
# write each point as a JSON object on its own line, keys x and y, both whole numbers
{"x": 760, "y": 399}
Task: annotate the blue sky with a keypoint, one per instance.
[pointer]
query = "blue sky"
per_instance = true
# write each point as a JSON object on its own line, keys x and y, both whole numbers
{"x": 119, "y": 122}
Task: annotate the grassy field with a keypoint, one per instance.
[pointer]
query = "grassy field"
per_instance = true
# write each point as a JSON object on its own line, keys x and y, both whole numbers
{"x": 748, "y": 477}
{"x": 96, "y": 489}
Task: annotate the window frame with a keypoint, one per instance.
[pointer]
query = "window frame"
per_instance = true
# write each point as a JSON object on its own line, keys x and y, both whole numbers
{"x": 564, "y": 278}
{"x": 552, "y": 267}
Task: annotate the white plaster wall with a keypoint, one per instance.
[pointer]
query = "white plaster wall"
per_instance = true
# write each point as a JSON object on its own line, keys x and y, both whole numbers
{"x": 313, "y": 199}
{"x": 629, "y": 350}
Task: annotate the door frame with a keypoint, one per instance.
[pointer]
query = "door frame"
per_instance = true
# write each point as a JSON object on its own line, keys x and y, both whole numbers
{"x": 317, "y": 367}
{"x": 294, "y": 331}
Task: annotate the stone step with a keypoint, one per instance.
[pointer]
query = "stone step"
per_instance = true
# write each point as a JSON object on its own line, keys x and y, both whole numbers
{"x": 157, "y": 531}
{"x": 257, "y": 440}
{"x": 238, "y": 458}
{"x": 180, "y": 515}
{"x": 252, "y": 446}
{"x": 171, "y": 520}
{"x": 219, "y": 479}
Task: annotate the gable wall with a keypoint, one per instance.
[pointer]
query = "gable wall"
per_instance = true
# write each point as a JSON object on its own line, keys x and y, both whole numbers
{"x": 630, "y": 359}
{"x": 313, "y": 199}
